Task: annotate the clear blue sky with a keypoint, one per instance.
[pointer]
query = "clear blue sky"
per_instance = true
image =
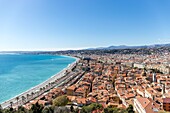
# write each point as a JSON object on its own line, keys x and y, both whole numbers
{"x": 65, "y": 24}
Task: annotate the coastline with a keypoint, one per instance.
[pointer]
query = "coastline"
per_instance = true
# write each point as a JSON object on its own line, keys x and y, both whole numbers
{"x": 40, "y": 86}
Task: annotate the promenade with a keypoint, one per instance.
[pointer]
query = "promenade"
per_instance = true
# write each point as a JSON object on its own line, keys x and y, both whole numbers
{"x": 38, "y": 90}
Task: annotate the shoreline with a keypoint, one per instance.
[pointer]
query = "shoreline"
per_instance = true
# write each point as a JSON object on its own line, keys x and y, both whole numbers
{"x": 40, "y": 86}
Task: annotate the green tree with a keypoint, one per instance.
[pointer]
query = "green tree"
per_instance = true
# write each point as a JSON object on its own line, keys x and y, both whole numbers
{"x": 60, "y": 101}
{"x": 36, "y": 108}
{"x": 7, "y": 111}
{"x": 72, "y": 108}
{"x": 1, "y": 109}
{"x": 17, "y": 98}
{"x": 11, "y": 103}
{"x": 110, "y": 109}
{"x": 91, "y": 107}
{"x": 130, "y": 109}
{"x": 22, "y": 110}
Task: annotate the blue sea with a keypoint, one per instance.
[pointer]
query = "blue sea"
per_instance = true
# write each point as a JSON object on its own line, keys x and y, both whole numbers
{"x": 19, "y": 72}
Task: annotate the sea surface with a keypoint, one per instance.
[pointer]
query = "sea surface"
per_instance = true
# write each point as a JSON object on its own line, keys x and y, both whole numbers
{"x": 19, "y": 72}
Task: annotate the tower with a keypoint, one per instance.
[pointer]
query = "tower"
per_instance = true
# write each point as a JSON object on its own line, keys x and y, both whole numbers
{"x": 163, "y": 89}
{"x": 154, "y": 77}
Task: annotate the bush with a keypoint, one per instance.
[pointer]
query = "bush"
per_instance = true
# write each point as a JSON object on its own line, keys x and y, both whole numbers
{"x": 60, "y": 101}
{"x": 91, "y": 107}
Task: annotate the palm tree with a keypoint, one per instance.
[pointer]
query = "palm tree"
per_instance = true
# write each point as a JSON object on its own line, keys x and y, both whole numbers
{"x": 32, "y": 95}
{"x": 0, "y": 107}
{"x": 11, "y": 103}
{"x": 37, "y": 92}
{"x": 28, "y": 97}
{"x": 49, "y": 84}
{"x": 41, "y": 90}
{"x": 23, "y": 99}
{"x": 17, "y": 98}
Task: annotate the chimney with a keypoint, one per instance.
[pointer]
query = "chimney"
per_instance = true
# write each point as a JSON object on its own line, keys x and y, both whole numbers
{"x": 163, "y": 89}
{"x": 153, "y": 97}
{"x": 154, "y": 77}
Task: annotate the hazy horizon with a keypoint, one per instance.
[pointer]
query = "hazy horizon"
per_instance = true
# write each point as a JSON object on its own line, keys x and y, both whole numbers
{"x": 65, "y": 49}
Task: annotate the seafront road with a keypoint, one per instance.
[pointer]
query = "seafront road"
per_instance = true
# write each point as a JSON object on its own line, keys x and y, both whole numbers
{"x": 55, "y": 81}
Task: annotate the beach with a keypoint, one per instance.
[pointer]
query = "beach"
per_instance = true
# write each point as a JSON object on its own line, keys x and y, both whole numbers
{"x": 39, "y": 89}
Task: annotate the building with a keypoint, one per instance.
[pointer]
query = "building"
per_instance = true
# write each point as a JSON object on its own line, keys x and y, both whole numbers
{"x": 144, "y": 105}
{"x": 139, "y": 65}
{"x": 70, "y": 90}
{"x": 166, "y": 104}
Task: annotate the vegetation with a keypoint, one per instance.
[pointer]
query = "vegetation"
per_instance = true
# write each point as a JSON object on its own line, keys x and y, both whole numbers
{"x": 109, "y": 109}
{"x": 72, "y": 108}
{"x": 114, "y": 110}
{"x": 36, "y": 108}
{"x": 60, "y": 101}
{"x": 130, "y": 109}
{"x": 91, "y": 107}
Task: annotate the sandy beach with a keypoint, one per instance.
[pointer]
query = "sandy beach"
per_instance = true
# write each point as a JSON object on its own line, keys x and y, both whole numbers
{"x": 39, "y": 89}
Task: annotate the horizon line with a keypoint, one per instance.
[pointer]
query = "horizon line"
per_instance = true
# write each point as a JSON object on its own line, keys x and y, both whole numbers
{"x": 66, "y": 49}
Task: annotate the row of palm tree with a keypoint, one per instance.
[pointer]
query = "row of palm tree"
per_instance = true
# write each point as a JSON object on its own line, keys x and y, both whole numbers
{"x": 32, "y": 95}
{"x": 28, "y": 97}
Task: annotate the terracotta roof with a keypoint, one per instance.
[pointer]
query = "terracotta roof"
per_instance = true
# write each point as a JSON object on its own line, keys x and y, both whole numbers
{"x": 71, "y": 98}
{"x": 81, "y": 90}
{"x": 33, "y": 101}
{"x": 73, "y": 87}
{"x": 148, "y": 105}
{"x": 166, "y": 100}
{"x": 97, "y": 111}
{"x": 143, "y": 101}
{"x": 92, "y": 99}
{"x": 42, "y": 102}
{"x": 81, "y": 100}
{"x": 130, "y": 95}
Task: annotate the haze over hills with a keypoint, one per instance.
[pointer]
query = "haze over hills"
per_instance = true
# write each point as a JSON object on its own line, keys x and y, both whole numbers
{"x": 130, "y": 47}
{"x": 97, "y": 48}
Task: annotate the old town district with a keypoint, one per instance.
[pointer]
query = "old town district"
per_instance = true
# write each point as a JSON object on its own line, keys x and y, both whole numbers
{"x": 118, "y": 81}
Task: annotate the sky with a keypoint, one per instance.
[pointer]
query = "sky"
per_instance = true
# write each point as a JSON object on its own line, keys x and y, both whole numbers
{"x": 77, "y": 24}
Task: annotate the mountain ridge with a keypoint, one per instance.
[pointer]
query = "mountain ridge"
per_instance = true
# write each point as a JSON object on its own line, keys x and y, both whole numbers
{"x": 130, "y": 47}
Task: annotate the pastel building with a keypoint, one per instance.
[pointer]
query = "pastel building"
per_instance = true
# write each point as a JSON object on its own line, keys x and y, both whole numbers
{"x": 144, "y": 105}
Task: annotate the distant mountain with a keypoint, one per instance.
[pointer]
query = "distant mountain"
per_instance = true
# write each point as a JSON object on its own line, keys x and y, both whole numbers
{"x": 130, "y": 47}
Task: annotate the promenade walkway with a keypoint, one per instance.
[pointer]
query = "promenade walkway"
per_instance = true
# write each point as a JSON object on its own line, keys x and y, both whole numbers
{"x": 38, "y": 90}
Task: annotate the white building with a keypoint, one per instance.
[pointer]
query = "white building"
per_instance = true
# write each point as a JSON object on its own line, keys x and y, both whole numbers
{"x": 144, "y": 105}
{"x": 139, "y": 65}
